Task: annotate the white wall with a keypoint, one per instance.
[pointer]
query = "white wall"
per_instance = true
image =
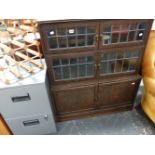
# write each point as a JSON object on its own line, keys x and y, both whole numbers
{"x": 153, "y": 26}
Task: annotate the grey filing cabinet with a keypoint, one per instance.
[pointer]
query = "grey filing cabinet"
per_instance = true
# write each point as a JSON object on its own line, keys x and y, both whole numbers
{"x": 26, "y": 105}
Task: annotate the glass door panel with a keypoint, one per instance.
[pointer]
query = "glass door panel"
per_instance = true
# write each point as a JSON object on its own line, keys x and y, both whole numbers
{"x": 115, "y": 37}
{"x": 81, "y": 40}
{"x": 107, "y": 67}
{"x": 90, "y": 40}
{"x": 52, "y": 42}
{"x": 52, "y": 39}
{"x": 71, "y": 41}
{"x": 62, "y": 42}
{"x": 131, "y": 36}
{"x": 71, "y": 37}
{"x": 115, "y": 34}
{"x": 73, "y": 68}
{"x": 113, "y": 62}
{"x": 107, "y": 35}
{"x": 122, "y": 33}
{"x": 124, "y": 30}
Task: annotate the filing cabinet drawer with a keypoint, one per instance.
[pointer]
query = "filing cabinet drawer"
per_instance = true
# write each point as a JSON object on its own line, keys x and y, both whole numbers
{"x": 25, "y": 100}
{"x": 30, "y": 125}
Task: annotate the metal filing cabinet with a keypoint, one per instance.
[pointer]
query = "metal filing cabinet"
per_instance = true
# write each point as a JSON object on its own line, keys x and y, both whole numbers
{"x": 26, "y": 105}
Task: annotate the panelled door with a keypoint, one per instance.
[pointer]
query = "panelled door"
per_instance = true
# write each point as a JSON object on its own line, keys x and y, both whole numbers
{"x": 117, "y": 93}
{"x": 74, "y": 99}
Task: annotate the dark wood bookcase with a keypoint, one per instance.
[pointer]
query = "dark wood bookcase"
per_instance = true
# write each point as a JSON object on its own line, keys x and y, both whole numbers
{"x": 94, "y": 66}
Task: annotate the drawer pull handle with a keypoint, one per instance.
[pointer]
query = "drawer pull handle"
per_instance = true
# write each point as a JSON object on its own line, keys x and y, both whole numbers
{"x": 21, "y": 98}
{"x": 133, "y": 83}
{"x": 31, "y": 122}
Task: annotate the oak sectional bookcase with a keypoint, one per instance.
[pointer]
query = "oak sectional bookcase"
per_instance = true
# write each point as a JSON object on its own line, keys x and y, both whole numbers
{"x": 93, "y": 65}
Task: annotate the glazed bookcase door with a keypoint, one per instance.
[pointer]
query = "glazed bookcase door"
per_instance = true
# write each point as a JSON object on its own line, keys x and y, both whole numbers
{"x": 117, "y": 33}
{"x": 119, "y": 61}
{"x": 117, "y": 93}
{"x": 68, "y": 36}
{"x": 73, "y": 67}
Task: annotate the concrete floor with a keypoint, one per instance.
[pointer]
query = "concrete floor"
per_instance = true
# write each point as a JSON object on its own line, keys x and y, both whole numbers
{"x": 133, "y": 122}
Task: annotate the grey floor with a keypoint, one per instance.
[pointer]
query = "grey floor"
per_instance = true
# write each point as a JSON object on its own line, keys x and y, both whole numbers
{"x": 133, "y": 122}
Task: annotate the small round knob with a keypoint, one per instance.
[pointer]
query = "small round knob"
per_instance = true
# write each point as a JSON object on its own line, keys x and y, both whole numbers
{"x": 46, "y": 117}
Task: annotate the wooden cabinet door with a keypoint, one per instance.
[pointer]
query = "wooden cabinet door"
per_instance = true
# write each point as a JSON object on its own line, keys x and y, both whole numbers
{"x": 119, "y": 33}
{"x": 74, "y": 99}
{"x": 64, "y": 36}
{"x": 4, "y": 129}
{"x": 117, "y": 93}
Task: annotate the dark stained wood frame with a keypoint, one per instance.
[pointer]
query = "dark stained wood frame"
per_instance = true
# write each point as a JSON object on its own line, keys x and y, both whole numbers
{"x": 62, "y": 86}
{"x": 78, "y": 89}
{"x": 46, "y": 27}
{"x": 126, "y": 84}
{"x": 132, "y": 48}
{"x": 129, "y": 21}
{"x": 72, "y": 55}
{"x": 97, "y": 107}
{"x": 100, "y": 24}
{"x": 97, "y": 56}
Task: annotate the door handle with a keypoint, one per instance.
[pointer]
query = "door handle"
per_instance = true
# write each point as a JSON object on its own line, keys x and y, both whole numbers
{"x": 97, "y": 66}
{"x": 97, "y": 38}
